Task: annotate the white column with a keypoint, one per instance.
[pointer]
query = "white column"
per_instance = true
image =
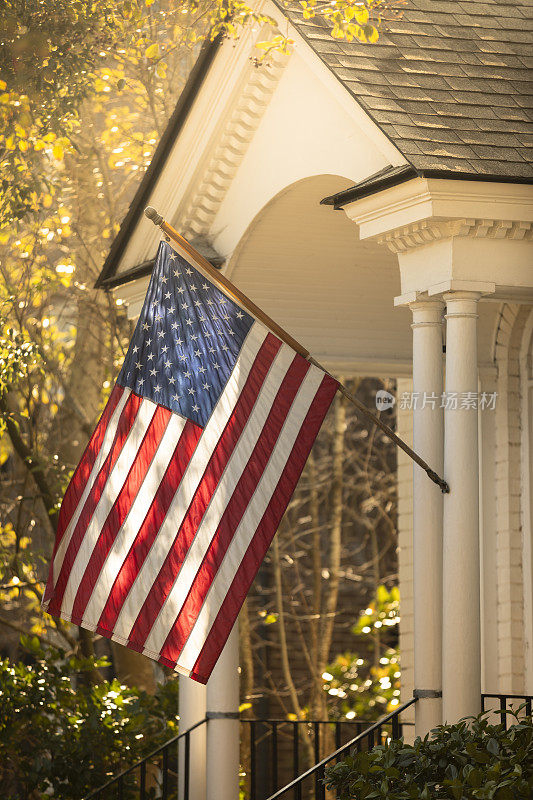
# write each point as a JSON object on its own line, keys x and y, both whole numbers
{"x": 223, "y": 723}
{"x": 461, "y": 678}
{"x": 428, "y": 441}
{"x": 192, "y": 709}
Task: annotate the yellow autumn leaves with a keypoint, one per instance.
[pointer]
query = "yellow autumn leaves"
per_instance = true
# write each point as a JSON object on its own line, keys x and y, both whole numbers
{"x": 349, "y": 20}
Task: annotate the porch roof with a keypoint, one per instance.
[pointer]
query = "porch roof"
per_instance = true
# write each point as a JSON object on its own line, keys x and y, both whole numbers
{"x": 448, "y": 83}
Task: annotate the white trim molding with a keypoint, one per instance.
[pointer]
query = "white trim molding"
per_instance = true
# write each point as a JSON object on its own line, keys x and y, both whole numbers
{"x": 440, "y": 198}
{"x": 200, "y": 205}
{"x": 431, "y": 230}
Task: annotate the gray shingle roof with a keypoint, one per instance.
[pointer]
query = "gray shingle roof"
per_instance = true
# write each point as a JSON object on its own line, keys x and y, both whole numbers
{"x": 449, "y": 83}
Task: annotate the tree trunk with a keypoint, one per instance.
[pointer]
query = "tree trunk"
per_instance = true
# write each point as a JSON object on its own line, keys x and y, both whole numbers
{"x": 335, "y": 541}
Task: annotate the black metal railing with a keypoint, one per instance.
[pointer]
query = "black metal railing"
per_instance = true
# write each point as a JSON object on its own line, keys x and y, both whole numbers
{"x": 277, "y": 750}
{"x": 155, "y": 775}
{"x": 503, "y": 703}
{"x": 310, "y": 784}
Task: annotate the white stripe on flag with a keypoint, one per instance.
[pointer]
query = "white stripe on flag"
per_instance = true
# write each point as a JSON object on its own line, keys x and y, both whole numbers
{"x": 221, "y": 496}
{"x": 189, "y": 483}
{"x": 127, "y": 534}
{"x": 97, "y": 466}
{"x": 110, "y": 492}
{"x": 251, "y": 519}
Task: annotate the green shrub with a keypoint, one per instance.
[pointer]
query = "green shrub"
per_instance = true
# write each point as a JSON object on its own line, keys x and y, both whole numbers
{"x": 61, "y": 737}
{"x": 471, "y": 759}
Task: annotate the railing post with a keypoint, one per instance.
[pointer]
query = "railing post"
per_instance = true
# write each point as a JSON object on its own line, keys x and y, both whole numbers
{"x": 164, "y": 786}
{"x": 187, "y": 776}
{"x": 321, "y": 786}
{"x": 296, "y": 759}
{"x": 275, "y": 756}
{"x": 503, "y": 715}
{"x": 143, "y": 781}
{"x": 396, "y": 726}
{"x": 253, "y": 762}
{"x": 317, "y": 754}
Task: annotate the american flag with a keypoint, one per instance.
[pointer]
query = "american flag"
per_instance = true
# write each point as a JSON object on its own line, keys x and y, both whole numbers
{"x": 187, "y": 475}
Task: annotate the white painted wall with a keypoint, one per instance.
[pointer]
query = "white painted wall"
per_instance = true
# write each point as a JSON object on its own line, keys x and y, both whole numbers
{"x": 304, "y": 131}
{"x": 405, "y": 559}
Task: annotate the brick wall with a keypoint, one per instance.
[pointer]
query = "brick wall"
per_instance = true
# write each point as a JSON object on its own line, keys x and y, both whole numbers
{"x": 510, "y": 605}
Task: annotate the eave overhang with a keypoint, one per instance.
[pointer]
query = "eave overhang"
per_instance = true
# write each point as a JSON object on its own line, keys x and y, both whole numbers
{"x": 394, "y": 176}
{"x": 107, "y": 278}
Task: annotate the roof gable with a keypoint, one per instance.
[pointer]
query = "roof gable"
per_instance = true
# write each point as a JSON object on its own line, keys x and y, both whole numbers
{"x": 448, "y": 83}
{"x": 446, "y": 86}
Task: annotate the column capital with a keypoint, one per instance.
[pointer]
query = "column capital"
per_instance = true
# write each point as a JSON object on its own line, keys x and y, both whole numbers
{"x": 427, "y": 312}
{"x": 417, "y": 300}
{"x": 461, "y": 304}
{"x": 452, "y": 296}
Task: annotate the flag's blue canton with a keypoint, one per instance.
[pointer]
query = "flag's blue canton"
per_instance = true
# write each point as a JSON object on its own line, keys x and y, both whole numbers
{"x": 187, "y": 340}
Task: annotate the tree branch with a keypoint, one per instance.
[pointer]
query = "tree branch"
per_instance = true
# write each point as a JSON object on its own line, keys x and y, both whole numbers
{"x": 20, "y": 629}
{"x": 31, "y": 463}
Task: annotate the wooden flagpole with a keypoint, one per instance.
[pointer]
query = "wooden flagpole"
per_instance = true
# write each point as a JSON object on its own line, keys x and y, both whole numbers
{"x": 230, "y": 289}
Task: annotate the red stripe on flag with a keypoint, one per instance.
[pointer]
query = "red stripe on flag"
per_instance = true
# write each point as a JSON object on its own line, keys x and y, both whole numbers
{"x": 81, "y": 475}
{"x": 149, "y": 528}
{"x": 264, "y": 534}
{"x": 217, "y": 463}
{"x": 127, "y": 419}
{"x": 235, "y": 508}
{"x": 120, "y": 509}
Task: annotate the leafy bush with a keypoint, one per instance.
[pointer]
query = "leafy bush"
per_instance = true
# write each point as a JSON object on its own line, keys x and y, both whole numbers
{"x": 471, "y": 759}
{"x": 61, "y": 737}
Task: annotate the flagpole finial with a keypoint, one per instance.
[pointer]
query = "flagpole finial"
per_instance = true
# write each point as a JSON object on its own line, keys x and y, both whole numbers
{"x": 152, "y": 214}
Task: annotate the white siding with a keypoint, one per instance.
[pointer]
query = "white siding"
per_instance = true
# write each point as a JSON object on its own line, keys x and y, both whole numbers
{"x": 405, "y": 535}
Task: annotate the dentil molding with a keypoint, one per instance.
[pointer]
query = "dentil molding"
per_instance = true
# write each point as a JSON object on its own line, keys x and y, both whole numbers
{"x": 227, "y": 152}
{"x": 431, "y": 230}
